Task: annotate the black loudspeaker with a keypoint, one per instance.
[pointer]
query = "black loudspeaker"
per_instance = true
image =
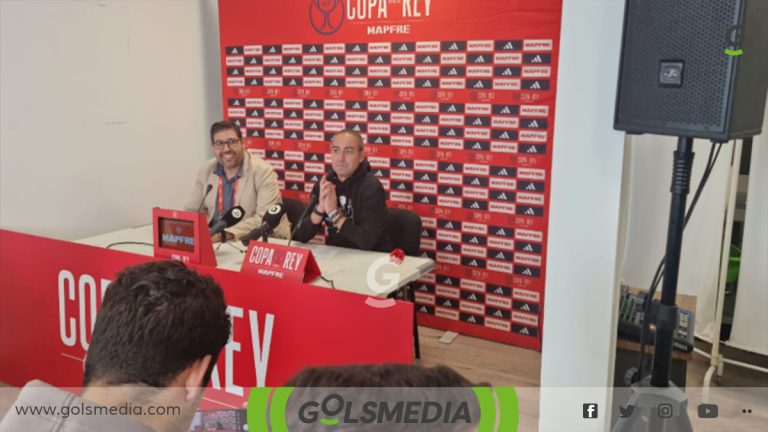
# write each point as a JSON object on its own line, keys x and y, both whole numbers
{"x": 693, "y": 68}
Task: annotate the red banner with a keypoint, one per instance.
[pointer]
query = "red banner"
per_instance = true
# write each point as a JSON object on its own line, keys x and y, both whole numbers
{"x": 456, "y": 102}
{"x": 52, "y": 289}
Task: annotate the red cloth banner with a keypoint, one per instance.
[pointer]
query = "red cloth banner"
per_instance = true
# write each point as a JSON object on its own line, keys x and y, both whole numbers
{"x": 52, "y": 289}
{"x": 456, "y": 102}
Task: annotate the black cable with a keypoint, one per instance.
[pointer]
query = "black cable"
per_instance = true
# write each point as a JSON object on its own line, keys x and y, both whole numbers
{"x": 714, "y": 152}
{"x": 330, "y": 281}
{"x": 109, "y": 246}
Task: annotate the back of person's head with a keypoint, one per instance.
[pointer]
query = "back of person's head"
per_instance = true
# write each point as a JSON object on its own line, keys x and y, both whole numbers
{"x": 156, "y": 320}
{"x": 374, "y": 375}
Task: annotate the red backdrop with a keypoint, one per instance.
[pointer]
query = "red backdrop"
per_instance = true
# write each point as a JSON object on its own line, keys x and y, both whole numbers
{"x": 456, "y": 100}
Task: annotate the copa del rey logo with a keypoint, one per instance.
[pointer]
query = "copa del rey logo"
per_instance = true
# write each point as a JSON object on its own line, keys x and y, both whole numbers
{"x": 327, "y": 16}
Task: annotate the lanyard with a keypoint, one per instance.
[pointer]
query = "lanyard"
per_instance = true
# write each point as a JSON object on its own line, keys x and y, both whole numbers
{"x": 221, "y": 194}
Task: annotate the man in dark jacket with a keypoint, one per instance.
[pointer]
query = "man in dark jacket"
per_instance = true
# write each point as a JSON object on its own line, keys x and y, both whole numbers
{"x": 351, "y": 201}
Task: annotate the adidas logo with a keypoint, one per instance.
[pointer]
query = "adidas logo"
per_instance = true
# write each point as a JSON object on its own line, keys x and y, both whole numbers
{"x": 294, "y": 135}
{"x": 525, "y": 307}
{"x": 478, "y": 84}
{"x": 450, "y": 167}
{"x": 501, "y": 231}
{"x": 402, "y": 164}
{"x": 255, "y": 133}
{"x": 402, "y": 107}
{"x": 294, "y": 167}
{"x": 313, "y": 104}
{"x": 334, "y": 83}
{"x": 474, "y": 240}
{"x": 236, "y": 103}
{"x": 477, "y": 122}
{"x": 402, "y": 130}
{"x": 471, "y": 319}
{"x": 379, "y": 60}
{"x": 314, "y": 157}
{"x": 533, "y": 124}
{"x": 449, "y": 225}
{"x": 528, "y": 248}
{"x": 524, "y": 331}
{"x": 356, "y": 48}
{"x": 449, "y": 192}
{"x": 500, "y": 255}
{"x": 357, "y": 106}
{"x": 426, "y": 119}
{"x": 453, "y": 71}
{"x": 379, "y": 83}
{"x": 476, "y": 182}
{"x": 447, "y": 303}
{"x": 472, "y": 297}
{"x": 403, "y": 48}
{"x": 295, "y": 187}
{"x": 312, "y": 49}
{"x": 451, "y": 108}
{"x": 273, "y": 71}
{"x": 498, "y": 290}
{"x": 477, "y": 146}
{"x": 530, "y": 211}
{"x": 448, "y": 281}
{"x": 427, "y": 59}
{"x": 424, "y": 233}
{"x": 507, "y": 72}
{"x": 335, "y": 116}
{"x": 356, "y": 128}
{"x": 313, "y": 126}
{"x": 532, "y": 149}
{"x": 503, "y": 172}
{"x": 536, "y": 59}
{"x": 254, "y": 61}
{"x": 453, "y": 46}
{"x": 505, "y": 135}
{"x": 403, "y": 72}
{"x": 379, "y": 173}
{"x": 505, "y": 110}
{"x": 423, "y": 309}
{"x": 293, "y": 114}
{"x": 234, "y": 51}
{"x": 448, "y": 248}
{"x": 425, "y": 177}
{"x": 334, "y": 60}
{"x": 480, "y": 59}
{"x": 312, "y": 71}
{"x": 502, "y": 196}
{"x": 475, "y": 205}
{"x": 274, "y": 155}
{"x": 527, "y": 272}
{"x": 536, "y": 85}
{"x": 379, "y": 141}
{"x": 235, "y": 72}
{"x": 498, "y": 313}
{"x": 425, "y": 200}
{"x": 427, "y": 83}
{"x": 292, "y": 60}
{"x": 273, "y": 50}
{"x": 451, "y": 132}
{"x": 401, "y": 187}
{"x": 508, "y": 46}
{"x": 292, "y": 82}
{"x": 356, "y": 71}
{"x": 273, "y": 124}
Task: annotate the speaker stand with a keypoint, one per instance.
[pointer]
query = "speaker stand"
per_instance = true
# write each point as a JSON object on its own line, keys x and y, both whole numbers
{"x": 657, "y": 390}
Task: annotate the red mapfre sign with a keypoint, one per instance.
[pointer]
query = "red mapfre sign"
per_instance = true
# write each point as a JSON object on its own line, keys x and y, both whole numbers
{"x": 182, "y": 236}
{"x": 282, "y": 262}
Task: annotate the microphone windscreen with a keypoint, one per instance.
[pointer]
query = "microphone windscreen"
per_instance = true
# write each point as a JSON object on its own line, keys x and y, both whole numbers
{"x": 273, "y": 215}
{"x": 233, "y": 216}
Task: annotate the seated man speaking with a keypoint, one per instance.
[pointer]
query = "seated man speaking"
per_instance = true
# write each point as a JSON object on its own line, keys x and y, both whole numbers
{"x": 351, "y": 201}
{"x": 232, "y": 178}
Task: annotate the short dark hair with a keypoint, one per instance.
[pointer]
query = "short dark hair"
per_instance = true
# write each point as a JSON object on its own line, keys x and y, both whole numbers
{"x": 375, "y": 375}
{"x": 354, "y": 133}
{"x": 225, "y": 125}
{"x": 156, "y": 319}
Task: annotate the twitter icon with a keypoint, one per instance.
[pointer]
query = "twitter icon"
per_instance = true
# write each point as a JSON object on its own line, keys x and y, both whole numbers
{"x": 626, "y": 411}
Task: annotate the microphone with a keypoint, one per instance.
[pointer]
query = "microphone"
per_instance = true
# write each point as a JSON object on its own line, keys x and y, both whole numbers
{"x": 231, "y": 217}
{"x": 270, "y": 221}
{"x": 310, "y": 205}
{"x": 205, "y": 195}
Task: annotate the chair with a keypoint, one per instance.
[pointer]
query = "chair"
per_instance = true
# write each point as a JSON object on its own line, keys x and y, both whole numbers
{"x": 404, "y": 230}
{"x": 293, "y": 209}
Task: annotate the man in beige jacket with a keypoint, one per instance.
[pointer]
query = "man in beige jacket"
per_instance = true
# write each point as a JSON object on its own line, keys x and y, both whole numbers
{"x": 235, "y": 177}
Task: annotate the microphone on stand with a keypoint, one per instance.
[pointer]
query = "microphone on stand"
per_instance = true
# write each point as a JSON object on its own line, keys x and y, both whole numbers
{"x": 205, "y": 195}
{"x": 270, "y": 221}
{"x": 231, "y": 217}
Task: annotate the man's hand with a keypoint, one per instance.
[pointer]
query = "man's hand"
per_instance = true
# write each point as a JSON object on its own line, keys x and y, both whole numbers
{"x": 329, "y": 199}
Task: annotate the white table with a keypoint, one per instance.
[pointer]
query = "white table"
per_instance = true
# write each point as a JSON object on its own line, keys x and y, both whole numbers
{"x": 348, "y": 268}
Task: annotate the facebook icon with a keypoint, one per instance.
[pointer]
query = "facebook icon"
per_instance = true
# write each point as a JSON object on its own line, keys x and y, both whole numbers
{"x": 590, "y": 410}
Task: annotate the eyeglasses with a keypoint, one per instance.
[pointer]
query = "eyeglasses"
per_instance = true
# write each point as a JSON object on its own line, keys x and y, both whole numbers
{"x": 232, "y": 142}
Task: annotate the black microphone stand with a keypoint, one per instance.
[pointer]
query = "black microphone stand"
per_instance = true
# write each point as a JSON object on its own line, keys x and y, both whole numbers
{"x": 656, "y": 396}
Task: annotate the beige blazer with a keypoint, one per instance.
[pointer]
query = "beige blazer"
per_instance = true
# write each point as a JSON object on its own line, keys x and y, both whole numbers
{"x": 256, "y": 192}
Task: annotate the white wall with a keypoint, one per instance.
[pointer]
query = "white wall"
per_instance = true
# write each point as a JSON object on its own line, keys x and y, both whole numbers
{"x": 581, "y": 293}
{"x": 104, "y": 110}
